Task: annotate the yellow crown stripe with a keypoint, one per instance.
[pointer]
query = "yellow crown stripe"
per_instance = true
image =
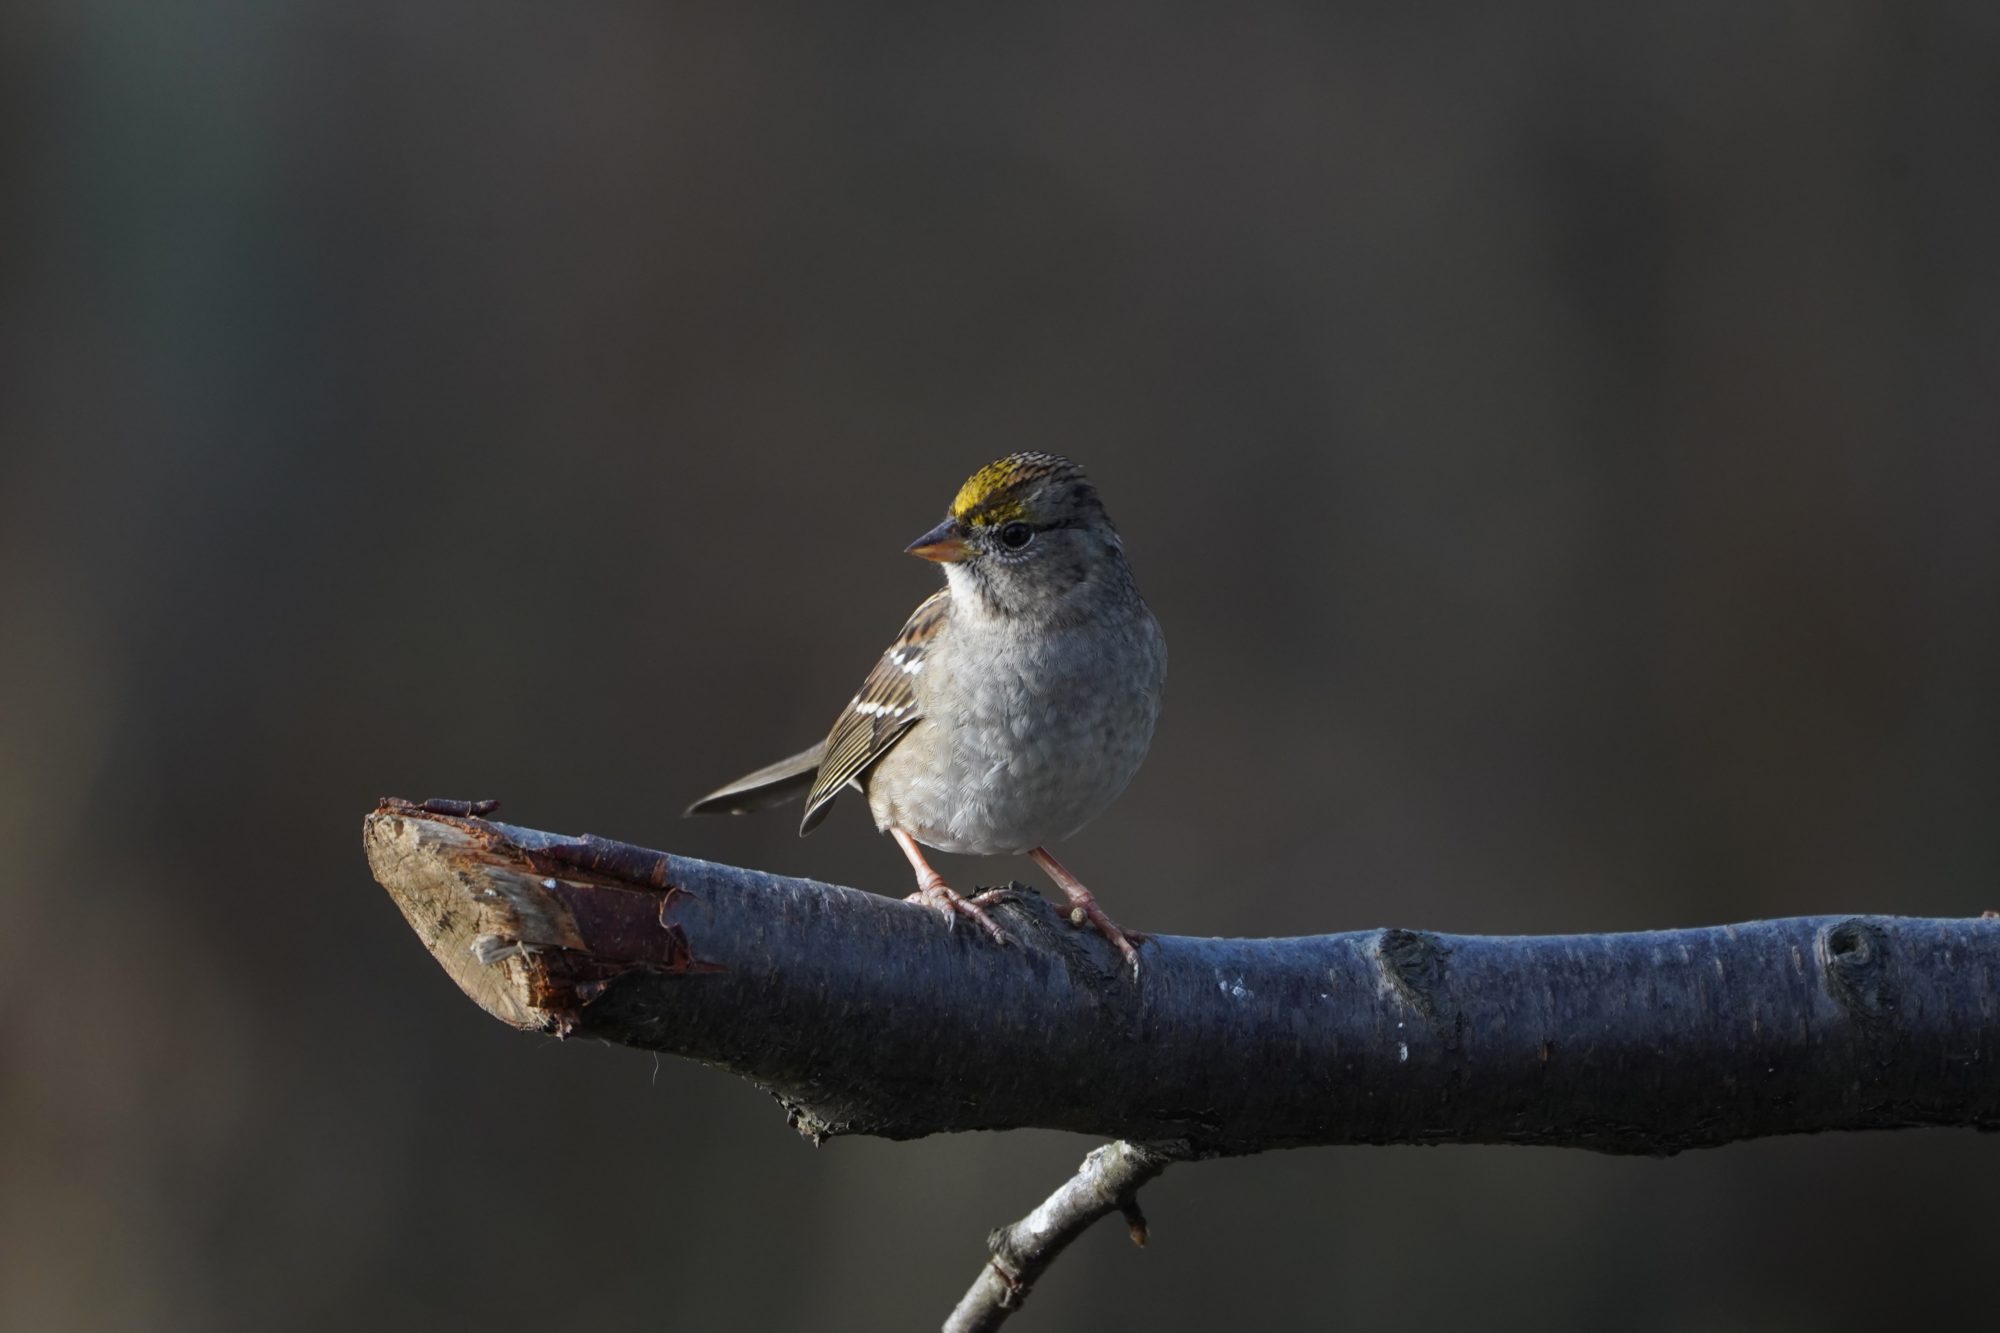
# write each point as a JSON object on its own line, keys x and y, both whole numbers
{"x": 984, "y": 498}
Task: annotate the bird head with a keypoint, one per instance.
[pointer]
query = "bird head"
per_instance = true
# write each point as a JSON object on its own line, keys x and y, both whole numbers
{"x": 1025, "y": 533}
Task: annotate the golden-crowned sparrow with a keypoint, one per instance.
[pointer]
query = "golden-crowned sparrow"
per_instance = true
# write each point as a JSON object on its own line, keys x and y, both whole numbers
{"x": 1015, "y": 705}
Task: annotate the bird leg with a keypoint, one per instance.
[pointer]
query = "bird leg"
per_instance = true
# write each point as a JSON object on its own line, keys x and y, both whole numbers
{"x": 1083, "y": 907}
{"x": 932, "y": 891}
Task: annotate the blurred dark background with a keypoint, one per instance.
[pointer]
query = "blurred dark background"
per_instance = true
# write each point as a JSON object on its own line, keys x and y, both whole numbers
{"x": 1561, "y": 441}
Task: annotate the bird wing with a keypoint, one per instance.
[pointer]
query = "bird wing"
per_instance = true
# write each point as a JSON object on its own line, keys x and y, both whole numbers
{"x": 881, "y": 713}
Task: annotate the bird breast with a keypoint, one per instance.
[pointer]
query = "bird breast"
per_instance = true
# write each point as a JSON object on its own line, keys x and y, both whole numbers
{"x": 1023, "y": 738}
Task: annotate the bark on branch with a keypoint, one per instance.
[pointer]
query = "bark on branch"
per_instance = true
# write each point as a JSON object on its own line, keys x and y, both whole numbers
{"x": 866, "y": 1015}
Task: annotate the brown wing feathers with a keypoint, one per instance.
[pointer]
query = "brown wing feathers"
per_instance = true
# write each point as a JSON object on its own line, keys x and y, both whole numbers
{"x": 873, "y": 721}
{"x": 876, "y": 718}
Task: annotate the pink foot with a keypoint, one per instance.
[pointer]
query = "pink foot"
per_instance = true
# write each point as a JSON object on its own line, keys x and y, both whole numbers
{"x": 1083, "y": 907}
{"x": 938, "y": 894}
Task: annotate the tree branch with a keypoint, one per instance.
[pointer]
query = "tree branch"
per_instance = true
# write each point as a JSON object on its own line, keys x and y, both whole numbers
{"x": 1107, "y": 1182}
{"x": 866, "y": 1015}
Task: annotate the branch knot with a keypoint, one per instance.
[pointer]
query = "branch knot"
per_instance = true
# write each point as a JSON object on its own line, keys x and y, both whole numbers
{"x": 1858, "y": 965}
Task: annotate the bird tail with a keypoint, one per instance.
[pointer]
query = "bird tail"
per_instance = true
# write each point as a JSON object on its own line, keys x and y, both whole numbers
{"x": 773, "y": 784}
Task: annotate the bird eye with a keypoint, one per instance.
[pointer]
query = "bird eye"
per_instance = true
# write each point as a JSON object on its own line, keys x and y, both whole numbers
{"x": 1014, "y": 536}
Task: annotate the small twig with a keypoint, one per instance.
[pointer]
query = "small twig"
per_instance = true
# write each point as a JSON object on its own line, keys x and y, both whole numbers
{"x": 1107, "y": 1182}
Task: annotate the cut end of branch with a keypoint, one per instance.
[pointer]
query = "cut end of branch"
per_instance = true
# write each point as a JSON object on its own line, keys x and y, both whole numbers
{"x": 506, "y": 916}
{"x": 481, "y": 928}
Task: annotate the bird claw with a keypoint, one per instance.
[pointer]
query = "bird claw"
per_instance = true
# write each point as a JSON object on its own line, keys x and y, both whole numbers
{"x": 953, "y": 905}
{"x": 1083, "y": 908}
{"x": 1085, "y": 911}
